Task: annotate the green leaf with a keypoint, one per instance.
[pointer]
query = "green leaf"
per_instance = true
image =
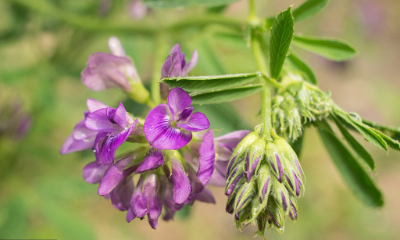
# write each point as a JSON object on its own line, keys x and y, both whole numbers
{"x": 281, "y": 37}
{"x": 331, "y": 49}
{"x": 207, "y": 83}
{"x": 390, "y": 131}
{"x": 308, "y": 9}
{"x": 368, "y": 133}
{"x": 394, "y": 144}
{"x": 352, "y": 172}
{"x": 225, "y": 95}
{"x": 357, "y": 147}
{"x": 300, "y": 65}
{"x": 186, "y": 3}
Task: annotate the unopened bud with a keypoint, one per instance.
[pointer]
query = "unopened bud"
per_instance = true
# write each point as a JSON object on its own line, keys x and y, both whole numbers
{"x": 274, "y": 160}
{"x": 243, "y": 196}
{"x": 255, "y": 155}
{"x": 240, "y": 152}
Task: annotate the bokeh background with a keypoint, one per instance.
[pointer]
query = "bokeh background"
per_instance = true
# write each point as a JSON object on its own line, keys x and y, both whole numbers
{"x": 44, "y": 45}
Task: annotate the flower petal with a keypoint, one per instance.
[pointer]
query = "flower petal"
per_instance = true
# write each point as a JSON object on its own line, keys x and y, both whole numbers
{"x": 196, "y": 123}
{"x": 81, "y": 132}
{"x": 228, "y": 142}
{"x": 205, "y": 196}
{"x": 102, "y": 120}
{"x": 115, "y": 47}
{"x": 92, "y": 173}
{"x": 207, "y": 158}
{"x": 159, "y": 132}
{"x": 114, "y": 175}
{"x": 178, "y": 100}
{"x": 153, "y": 223}
{"x": 151, "y": 161}
{"x": 190, "y": 65}
{"x": 94, "y": 105}
{"x": 130, "y": 215}
{"x": 121, "y": 195}
{"x": 121, "y": 117}
{"x": 73, "y": 145}
{"x": 181, "y": 183}
{"x": 139, "y": 201}
{"x": 154, "y": 202}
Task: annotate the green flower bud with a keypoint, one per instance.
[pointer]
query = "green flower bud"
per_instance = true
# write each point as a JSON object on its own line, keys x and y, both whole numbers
{"x": 273, "y": 158}
{"x": 255, "y": 156}
{"x": 240, "y": 152}
{"x": 244, "y": 195}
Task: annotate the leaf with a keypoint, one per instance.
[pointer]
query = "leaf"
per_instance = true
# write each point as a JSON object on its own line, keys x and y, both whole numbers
{"x": 331, "y": 49}
{"x": 207, "y": 83}
{"x": 368, "y": 133}
{"x": 225, "y": 95}
{"x": 357, "y": 147}
{"x": 281, "y": 37}
{"x": 299, "y": 64}
{"x": 308, "y": 9}
{"x": 390, "y": 131}
{"x": 352, "y": 172}
{"x": 186, "y": 3}
{"x": 394, "y": 144}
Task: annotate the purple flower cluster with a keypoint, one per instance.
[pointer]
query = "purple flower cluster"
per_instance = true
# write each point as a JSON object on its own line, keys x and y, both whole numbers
{"x": 176, "y": 157}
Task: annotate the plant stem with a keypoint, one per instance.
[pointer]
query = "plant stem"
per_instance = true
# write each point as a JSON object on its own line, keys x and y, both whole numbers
{"x": 266, "y": 103}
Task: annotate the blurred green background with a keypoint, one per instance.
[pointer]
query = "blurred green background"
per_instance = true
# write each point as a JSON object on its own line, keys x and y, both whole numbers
{"x": 44, "y": 46}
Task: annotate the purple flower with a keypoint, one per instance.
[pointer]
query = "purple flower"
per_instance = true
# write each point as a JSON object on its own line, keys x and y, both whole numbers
{"x": 82, "y": 138}
{"x": 105, "y": 70}
{"x": 14, "y": 122}
{"x": 151, "y": 161}
{"x": 170, "y": 126}
{"x": 114, "y": 125}
{"x": 175, "y": 66}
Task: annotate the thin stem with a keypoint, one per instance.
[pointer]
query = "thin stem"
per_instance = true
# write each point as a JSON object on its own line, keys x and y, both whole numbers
{"x": 266, "y": 102}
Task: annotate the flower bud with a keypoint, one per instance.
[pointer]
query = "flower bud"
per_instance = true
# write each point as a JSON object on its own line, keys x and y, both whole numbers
{"x": 274, "y": 160}
{"x": 254, "y": 156}
{"x": 243, "y": 196}
{"x": 240, "y": 152}
{"x": 276, "y": 216}
{"x": 293, "y": 208}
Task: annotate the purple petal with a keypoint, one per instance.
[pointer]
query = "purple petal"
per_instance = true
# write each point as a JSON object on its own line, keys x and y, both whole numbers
{"x": 121, "y": 195}
{"x": 102, "y": 120}
{"x": 154, "y": 202}
{"x": 115, "y": 47}
{"x": 196, "y": 123}
{"x": 228, "y": 142}
{"x": 180, "y": 180}
{"x": 92, "y": 173}
{"x": 130, "y": 215}
{"x": 178, "y": 100}
{"x": 205, "y": 196}
{"x": 265, "y": 188}
{"x": 108, "y": 71}
{"x": 159, "y": 132}
{"x": 207, "y": 158}
{"x": 106, "y": 145}
{"x": 139, "y": 201}
{"x": 185, "y": 114}
{"x": 94, "y": 105}
{"x": 114, "y": 175}
{"x": 191, "y": 64}
{"x": 73, "y": 145}
{"x": 284, "y": 202}
{"x": 153, "y": 223}
{"x": 81, "y": 132}
{"x": 176, "y": 49}
{"x": 151, "y": 161}
{"x": 121, "y": 117}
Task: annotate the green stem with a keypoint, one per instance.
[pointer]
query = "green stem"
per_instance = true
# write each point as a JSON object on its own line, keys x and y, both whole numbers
{"x": 266, "y": 102}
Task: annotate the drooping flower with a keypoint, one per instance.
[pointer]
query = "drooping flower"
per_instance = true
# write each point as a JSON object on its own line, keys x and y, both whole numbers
{"x": 176, "y": 66}
{"x": 82, "y": 138}
{"x": 171, "y": 126}
{"x": 137, "y": 9}
{"x": 114, "y": 125}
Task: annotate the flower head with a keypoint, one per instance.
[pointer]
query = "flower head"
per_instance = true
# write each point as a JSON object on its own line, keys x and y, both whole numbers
{"x": 171, "y": 126}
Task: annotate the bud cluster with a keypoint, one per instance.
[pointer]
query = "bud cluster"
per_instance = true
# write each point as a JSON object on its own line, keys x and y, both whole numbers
{"x": 264, "y": 178}
{"x": 298, "y": 102}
